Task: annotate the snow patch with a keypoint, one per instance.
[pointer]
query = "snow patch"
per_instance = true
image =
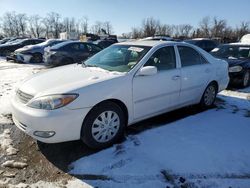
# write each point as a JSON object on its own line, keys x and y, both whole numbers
{"x": 6, "y": 143}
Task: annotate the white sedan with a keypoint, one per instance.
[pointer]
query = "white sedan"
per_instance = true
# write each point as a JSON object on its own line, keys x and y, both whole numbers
{"x": 123, "y": 84}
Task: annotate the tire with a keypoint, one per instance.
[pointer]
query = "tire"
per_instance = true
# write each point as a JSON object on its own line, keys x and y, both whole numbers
{"x": 103, "y": 126}
{"x": 36, "y": 58}
{"x": 245, "y": 79}
{"x": 209, "y": 96}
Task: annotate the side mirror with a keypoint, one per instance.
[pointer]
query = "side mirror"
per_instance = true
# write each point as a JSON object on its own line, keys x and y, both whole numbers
{"x": 147, "y": 71}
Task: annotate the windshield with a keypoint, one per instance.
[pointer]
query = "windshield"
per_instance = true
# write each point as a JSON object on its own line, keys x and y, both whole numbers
{"x": 121, "y": 58}
{"x": 230, "y": 51}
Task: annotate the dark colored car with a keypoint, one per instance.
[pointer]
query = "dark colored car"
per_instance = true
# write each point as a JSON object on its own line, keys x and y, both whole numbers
{"x": 69, "y": 52}
{"x": 3, "y": 41}
{"x": 105, "y": 43}
{"x": 238, "y": 57}
{"x": 205, "y": 44}
{"x": 6, "y": 49}
{"x": 33, "y": 53}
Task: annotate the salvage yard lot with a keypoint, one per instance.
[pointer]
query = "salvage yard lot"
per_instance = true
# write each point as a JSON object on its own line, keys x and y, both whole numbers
{"x": 186, "y": 147}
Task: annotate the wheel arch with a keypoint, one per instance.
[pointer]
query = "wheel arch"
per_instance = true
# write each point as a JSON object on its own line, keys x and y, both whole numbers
{"x": 117, "y": 102}
{"x": 215, "y": 83}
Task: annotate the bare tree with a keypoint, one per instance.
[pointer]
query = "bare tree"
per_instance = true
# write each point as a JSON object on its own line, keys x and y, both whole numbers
{"x": 149, "y": 26}
{"x": 243, "y": 29}
{"x": 204, "y": 29}
{"x": 35, "y": 26}
{"x": 8, "y": 25}
{"x": 84, "y": 24}
{"x": 136, "y": 33}
{"x": 53, "y": 24}
{"x": 22, "y": 23}
{"x": 218, "y": 27}
{"x": 108, "y": 27}
{"x": 184, "y": 30}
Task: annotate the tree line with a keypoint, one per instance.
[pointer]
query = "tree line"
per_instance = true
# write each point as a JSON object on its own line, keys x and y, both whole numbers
{"x": 207, "y": 28}
{"x": 50, "y": 26}
{"x": 19, "y": 24}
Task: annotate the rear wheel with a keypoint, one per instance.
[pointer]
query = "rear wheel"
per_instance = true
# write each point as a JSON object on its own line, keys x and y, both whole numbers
{"x": 103, "y": 126}
{"x": 36, "y": 58}
{"x": 246, "y": 79}
{"x": 209, "y": 95}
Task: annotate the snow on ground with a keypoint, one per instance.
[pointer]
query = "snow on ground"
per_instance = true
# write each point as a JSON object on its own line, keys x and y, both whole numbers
{"x": 209, "y": 149}
{"x": 213, "y": 144}
{"x": 10, "y": 75}
{"x": 42, "y": 184}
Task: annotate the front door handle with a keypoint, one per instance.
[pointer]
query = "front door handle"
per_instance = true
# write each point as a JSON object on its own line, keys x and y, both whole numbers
{"x": 176, "y": 77}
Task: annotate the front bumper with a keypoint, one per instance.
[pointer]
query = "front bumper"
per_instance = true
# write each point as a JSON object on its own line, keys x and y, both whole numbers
{"x": 66, "y": 123}
{"x": 18, "y": 57}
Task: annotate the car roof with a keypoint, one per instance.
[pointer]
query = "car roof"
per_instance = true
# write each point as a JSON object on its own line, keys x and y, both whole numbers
{"x": 150, "y": 43}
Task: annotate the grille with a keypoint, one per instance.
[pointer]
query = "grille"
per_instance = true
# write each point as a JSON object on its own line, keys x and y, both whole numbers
{"x": 23, "y": 97}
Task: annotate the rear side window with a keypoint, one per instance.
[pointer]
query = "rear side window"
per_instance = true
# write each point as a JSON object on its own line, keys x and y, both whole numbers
{"x": 190, "y": 57}
{"x": 93, "y": 48}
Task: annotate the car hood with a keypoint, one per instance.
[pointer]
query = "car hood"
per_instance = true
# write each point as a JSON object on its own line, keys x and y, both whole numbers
{"x": 25, "y": 48}
{"x": 235, "y": 62}
{"x": 6, "y": 45}
{"x": 65, "y": 79}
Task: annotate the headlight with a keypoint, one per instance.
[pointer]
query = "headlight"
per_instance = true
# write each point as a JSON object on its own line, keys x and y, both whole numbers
{"x": 52, "y": 102}
{"x": 235, "y": 69}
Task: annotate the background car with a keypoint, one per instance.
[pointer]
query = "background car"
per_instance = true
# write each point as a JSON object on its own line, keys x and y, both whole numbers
{"x": 119, "y": 86}
{"x": 69, "y": 52}
{"x": 105, "y": 43}
{"x": 162, "y": 38}
{"x": 205, "y": 44}
{"x": 8, "y": 48}
{"x": 238, "y": 57}
{"x": 33, "y": 53}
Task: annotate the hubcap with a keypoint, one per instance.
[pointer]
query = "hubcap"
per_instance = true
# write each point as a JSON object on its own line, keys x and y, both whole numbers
{"x": 209, "y": 95}
{"x": 105, "y": 126}
{"x": 246, "y": 79}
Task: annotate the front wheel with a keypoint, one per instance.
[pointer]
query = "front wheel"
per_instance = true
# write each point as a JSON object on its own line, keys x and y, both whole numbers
{"x": 246, "y": 79}
{"x": 209, "y": 95}
{"x": 37, "y": 58}
{"x": 103, "y": 126}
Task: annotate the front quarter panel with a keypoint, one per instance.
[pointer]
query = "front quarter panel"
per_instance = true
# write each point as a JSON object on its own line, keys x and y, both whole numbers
{"x": 118, "y": 88}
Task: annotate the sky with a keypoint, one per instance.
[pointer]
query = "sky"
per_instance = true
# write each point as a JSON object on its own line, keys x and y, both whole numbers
{"x": 125, "y": 14}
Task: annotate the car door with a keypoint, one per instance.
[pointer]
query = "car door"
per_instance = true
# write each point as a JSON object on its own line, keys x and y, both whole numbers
{"x": 83, "y": 52}
{"x": 156, "y": 93}
{"x": 195, "y": 72}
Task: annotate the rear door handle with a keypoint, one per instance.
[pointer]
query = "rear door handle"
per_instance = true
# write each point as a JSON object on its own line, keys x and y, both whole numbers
{"x": 176, "y": 77}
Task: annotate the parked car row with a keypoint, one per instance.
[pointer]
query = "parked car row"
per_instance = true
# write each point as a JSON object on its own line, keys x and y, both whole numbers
{"x": 55, "y": 52}
{"x": 50, "y": 51}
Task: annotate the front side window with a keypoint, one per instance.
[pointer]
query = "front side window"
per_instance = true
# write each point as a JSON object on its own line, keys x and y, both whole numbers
{"x": 189, "y": 56}
{"x": 121, "y": 58}
{"x": 163, "y": 59}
